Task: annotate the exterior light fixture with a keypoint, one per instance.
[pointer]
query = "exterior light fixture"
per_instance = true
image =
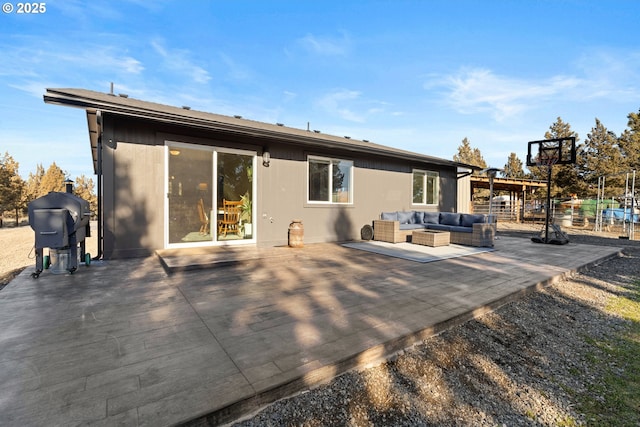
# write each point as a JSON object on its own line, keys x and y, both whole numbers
{"x": 266, "y": 158}
{"x": 174, "y": 152}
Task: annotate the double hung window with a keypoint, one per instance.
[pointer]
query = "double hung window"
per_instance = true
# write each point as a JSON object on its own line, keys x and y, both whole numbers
{"x": 330, "y": 180}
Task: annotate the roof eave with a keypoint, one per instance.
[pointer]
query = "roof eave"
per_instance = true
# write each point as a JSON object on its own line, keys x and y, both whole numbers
{"x": 59, "y": 97}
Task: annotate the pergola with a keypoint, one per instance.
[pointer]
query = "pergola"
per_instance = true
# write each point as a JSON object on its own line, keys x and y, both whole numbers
{"x": 516, "y": 186}
{"x": 518, "y": 189}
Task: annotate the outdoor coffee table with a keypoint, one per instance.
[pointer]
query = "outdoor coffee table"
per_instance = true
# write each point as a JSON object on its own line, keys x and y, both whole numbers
{"x": 431, "y": 237}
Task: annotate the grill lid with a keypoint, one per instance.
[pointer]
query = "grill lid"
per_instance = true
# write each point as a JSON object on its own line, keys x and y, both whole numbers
{"x": 77, "y": 207}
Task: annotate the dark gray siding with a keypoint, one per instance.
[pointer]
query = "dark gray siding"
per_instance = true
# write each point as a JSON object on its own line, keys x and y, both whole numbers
{"x": 134, "y": 196}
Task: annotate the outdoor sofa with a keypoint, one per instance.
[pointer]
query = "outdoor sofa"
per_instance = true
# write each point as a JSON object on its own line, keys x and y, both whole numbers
{"x": 464, "y": 229}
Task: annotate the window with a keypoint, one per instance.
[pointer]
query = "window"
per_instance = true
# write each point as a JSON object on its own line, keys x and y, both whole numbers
{"x": 425, "y": 187}
{"x": 330, "y": 180}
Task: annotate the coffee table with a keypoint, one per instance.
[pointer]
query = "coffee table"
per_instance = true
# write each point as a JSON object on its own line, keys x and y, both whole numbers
{"x": 431, "y": 237}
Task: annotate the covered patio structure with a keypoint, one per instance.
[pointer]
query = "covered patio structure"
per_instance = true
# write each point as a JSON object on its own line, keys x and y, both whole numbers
{"x": 511, "y": 206}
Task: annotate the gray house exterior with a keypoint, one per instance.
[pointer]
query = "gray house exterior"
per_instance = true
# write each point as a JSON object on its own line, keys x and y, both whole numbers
{"x": 161, "y": 168}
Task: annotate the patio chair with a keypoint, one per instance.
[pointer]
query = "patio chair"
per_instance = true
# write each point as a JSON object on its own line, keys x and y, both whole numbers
{"x": 230, "y": 222}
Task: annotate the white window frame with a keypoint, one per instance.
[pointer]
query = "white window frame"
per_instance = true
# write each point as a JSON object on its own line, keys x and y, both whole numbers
{"x": 330, "y": 161}
{"x": 426, "y": 176}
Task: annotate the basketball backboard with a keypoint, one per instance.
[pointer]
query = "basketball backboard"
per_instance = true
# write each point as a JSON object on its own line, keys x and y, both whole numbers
{"x": 547, "y": 152}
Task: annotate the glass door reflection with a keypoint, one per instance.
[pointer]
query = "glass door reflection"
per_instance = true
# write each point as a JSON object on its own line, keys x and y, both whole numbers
{"x": 234, "y": 186}
{"x": 190, "y": 195}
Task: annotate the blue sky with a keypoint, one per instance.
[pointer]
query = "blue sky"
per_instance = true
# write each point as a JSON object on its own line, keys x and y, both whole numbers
{"x": 416, "y": 75}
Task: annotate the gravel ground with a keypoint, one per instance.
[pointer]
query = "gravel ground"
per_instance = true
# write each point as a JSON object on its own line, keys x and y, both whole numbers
{"x": 520, "y": 365}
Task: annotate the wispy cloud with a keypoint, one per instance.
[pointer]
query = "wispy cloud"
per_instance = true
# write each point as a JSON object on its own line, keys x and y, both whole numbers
{"x": 611, "y": 73}
{"x": 334, "y": 103}
{"x": 350, "y": 105}
{"x": 235, "y": 70}
{"x": 108, "y": 59}
{"x": 32, "y": 65}
{"x": 84, "y": 12}
{"x": 178, "y": 60}
{"x": 289, "y": 96}
{"x": 36, "y": 58}
{"x": 481, "y": 91}
{"x": 33, "y": 88}
{"x": 329, "y": 46}
{"x": 600, "y": 74}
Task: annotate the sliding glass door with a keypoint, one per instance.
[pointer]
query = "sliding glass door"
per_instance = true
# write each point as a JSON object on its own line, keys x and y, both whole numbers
{"x": 190, "y": 194}
{"x": 235, "y": 185}
{"x": 201, "y": 210}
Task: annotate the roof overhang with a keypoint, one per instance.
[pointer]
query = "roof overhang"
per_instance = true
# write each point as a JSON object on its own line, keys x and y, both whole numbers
{"x": 96, "y": 103}
{"x": 507, "y": 184}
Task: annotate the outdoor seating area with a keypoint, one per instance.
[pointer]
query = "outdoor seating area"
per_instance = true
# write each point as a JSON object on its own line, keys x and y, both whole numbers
{"x": 463, "y": 229}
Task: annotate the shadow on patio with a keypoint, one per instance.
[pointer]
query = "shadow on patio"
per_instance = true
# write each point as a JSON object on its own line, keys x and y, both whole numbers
{"x": 125, "y": 342}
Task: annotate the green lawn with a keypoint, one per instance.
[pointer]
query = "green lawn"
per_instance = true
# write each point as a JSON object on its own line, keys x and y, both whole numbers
{"x": 615, "y": 399}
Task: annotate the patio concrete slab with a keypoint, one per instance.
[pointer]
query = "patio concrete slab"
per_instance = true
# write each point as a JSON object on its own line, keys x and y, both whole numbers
{"x": 125, "y": 342}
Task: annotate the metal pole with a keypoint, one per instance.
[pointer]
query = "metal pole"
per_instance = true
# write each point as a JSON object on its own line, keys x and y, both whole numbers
{"x": 491, "y": 173}
{"x": 600, "y": 203}
{"x": 546, "y": 220}
{"x": 597, "y": 222}
{"x": 624, "y": 209}
{"x": 633, "y": 200}
{"x": 99, "y": 207}
{"x": 490, "y": 196}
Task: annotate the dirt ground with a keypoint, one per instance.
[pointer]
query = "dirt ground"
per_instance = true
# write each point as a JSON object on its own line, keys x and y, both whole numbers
{"x": 17, "y": 252}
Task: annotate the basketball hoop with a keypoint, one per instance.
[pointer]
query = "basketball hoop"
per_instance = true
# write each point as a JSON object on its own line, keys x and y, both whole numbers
{"x": 547, "y": 159}
{"x": 549, "y": 152}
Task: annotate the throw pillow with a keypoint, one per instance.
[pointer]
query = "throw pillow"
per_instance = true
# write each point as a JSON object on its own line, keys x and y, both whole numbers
{"x": 469, "y": 219}
{"x": 431, "y": 218}
{"x": 389, "y": 216}
{"x": 449, "y": 218}
{"x": 405, "y": 217}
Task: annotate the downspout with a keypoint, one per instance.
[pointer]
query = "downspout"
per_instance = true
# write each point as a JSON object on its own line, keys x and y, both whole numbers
{"x": 99, "y": 173}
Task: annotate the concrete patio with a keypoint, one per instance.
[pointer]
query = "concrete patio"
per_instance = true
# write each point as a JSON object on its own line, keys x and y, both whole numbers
{"x": 125, "y": 343}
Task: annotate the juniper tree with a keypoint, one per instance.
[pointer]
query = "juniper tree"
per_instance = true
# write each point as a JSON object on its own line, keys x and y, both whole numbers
{"x": 469, "y": 155}
{"x": 602, "y": 156}
{"x": 513, "y": 168}
{"x": 12, "y": 187}
{"x": 630, "y": 142}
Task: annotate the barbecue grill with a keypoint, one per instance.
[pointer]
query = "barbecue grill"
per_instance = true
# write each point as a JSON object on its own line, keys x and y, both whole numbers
{"x": 61, "y": 223}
